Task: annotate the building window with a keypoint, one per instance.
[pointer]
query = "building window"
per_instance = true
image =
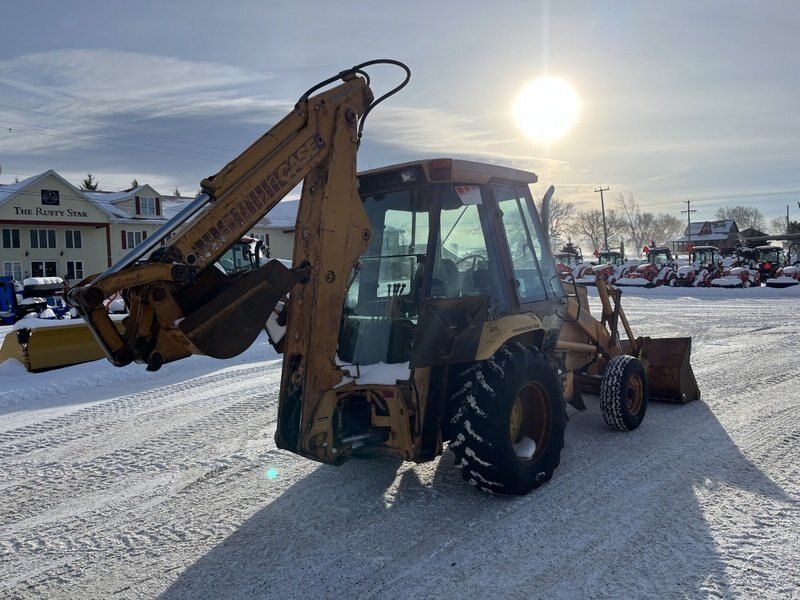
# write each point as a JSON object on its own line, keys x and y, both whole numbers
{"x": 10, "y": 238}
{"x": 43, "y": 238}
{"x": 13, "y": 268}
{"x": 50, "y": 198}
{"x": 131, "y": 239}
{"x": 73, "y": 238}
{"x": 44, "y": 268}
{"x": 75, "y": 269}
{"x": 148, "y": 206}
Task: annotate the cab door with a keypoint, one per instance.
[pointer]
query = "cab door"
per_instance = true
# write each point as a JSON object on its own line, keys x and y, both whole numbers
{"x": 533, "y": 272}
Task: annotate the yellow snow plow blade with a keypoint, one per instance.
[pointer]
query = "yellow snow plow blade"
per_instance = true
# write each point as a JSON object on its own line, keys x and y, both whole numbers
{"x": 53, "y": 344}
{"x": 669, "y": 371}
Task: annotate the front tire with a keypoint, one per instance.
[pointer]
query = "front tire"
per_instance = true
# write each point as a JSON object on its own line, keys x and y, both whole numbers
{"x": 509, "y": 425}
{"x": 624, "y": 393}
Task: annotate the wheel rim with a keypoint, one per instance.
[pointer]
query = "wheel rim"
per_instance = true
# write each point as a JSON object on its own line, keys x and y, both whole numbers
{"x": 635, "y": 395}
{"x": 530, "y": 418}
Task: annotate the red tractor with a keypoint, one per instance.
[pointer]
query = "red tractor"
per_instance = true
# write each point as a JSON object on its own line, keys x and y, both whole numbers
{"x": 659, "y": 269}
{"x": 610, "y": 266}
{"x": 568, "y": 259}
{"x": 704, "y": 266}
{"x": 768, "y": 260}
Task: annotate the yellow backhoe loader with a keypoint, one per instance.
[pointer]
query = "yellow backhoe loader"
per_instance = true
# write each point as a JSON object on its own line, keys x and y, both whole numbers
{"x": 423, "y": 308}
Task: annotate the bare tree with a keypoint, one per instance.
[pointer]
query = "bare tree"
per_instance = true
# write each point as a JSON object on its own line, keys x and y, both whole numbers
{"x": 780, "y": 225}
{"x": 666, "y": 227}
{"x": 745, "y": 216}
{"x": 90, "y": 184}
{"x": 637, "y": 226}
{"x": 560, "y": 220}
{"x": 589, "y": 223}
{"x": 777, "y": 225}
{"x": 644, "y": 228}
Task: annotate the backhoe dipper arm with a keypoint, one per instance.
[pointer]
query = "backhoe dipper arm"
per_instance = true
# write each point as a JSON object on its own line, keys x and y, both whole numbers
{"x": 181, "y": 304}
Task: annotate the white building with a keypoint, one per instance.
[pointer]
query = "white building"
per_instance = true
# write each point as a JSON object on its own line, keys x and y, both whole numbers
{"x": 50, "y": 228}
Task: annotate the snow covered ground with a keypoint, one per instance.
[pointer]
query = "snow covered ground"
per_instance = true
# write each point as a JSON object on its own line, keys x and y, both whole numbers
{"x": 119, "y": 483}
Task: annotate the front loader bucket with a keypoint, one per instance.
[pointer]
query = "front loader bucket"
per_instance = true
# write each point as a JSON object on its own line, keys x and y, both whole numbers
{"x": 52, "y": 344}
{"x": 669, "y": 371}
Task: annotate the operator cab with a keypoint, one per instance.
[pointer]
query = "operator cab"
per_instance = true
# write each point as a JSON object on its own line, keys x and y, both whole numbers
{"x": 453, "y": 244}
{"x": 704, "y": 256}
{"x": 245, "y": 255}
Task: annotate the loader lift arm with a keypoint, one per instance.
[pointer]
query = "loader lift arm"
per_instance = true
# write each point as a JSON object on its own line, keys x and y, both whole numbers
{"x": 181, "y": 304}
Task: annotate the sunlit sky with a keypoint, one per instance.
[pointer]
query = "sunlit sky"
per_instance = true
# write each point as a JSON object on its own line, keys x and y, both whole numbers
{"x": 685, "y": 100}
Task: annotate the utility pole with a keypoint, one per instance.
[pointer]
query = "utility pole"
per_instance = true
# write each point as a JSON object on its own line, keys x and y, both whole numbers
{"x": 689, "y": 210}
{"x": 602, "y": 189}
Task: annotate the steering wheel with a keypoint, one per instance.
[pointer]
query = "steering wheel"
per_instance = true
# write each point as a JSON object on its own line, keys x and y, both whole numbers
{"x": 474, "y": 258}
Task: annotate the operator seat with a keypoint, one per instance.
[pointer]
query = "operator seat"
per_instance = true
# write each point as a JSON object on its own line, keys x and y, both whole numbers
{"x": 445, "y": 282}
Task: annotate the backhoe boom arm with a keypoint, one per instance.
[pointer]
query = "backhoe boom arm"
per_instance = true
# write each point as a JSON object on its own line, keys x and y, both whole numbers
{"x": 179, "y": 302}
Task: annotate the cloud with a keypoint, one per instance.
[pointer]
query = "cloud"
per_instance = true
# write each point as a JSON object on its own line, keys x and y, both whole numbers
{"x": 68, "y": 96}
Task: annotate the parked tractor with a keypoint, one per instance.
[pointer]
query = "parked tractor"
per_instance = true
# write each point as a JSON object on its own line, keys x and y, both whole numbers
{"x": 767, "y": 260}
{"x": 740, "y": 273}
{"x": 704, "y": 266}
{"x": 610, "y": 266}
{"x": 568, "y": 259}
{"x": 788, "y": 276}
{"x": 659, "y": 269}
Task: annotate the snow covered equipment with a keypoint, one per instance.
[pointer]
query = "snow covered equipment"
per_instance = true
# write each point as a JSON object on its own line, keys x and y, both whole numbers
{"x": 422, "y": 308}
{"x": 768, "y": 260}
{"x": 659, "y": 269}
{"x": 44, "y": 345}
{"x": 703, "y": 267}
{"x": 665, "y": 361}
{"x": 785, "y": 277}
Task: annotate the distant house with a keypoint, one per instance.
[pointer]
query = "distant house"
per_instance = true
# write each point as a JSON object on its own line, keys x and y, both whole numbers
{"x": 280, "y": 225}
{"x": 722, "y": 234}
{"x": 51, "y": 228}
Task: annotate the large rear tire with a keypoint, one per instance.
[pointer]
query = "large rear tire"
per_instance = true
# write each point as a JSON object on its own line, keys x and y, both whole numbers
{"x": 508, "y": 430}
{"x": 624, "y": 393}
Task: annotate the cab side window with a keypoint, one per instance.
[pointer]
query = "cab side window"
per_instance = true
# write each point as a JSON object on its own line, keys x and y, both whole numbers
{"x": 535, "y": 276}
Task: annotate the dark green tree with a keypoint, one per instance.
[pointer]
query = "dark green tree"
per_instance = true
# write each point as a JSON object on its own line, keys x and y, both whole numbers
{"x": 90, "y": 184}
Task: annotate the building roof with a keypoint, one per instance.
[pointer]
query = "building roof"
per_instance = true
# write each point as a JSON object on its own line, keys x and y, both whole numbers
{"x": 282, "y": 216}
{"x": 7, "y": 191}
{"x": 720, "y": 231}
{"x": 709, "y": 237}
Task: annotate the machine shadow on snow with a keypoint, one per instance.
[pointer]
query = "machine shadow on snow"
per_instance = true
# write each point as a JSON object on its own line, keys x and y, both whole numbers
{"x": 373, "y": 524}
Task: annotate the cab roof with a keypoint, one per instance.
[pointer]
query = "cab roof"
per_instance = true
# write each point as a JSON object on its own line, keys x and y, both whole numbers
{"x": 457, "y": 170}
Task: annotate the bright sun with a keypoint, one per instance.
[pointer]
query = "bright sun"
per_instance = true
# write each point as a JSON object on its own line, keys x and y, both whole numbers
{"x": 546, "y": 109}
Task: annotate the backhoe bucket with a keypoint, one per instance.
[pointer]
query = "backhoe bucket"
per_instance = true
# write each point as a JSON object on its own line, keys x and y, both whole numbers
{"x": 230, "y": 323}
{"x": 52, "y": 344}
{"x": 669, "y": 371}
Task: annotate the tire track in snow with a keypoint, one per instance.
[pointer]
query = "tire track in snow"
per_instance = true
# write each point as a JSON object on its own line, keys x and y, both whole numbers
{"x": 88, "y": 421}
{"x": 41, "y": 487}
{"x": 689, "y": 489}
